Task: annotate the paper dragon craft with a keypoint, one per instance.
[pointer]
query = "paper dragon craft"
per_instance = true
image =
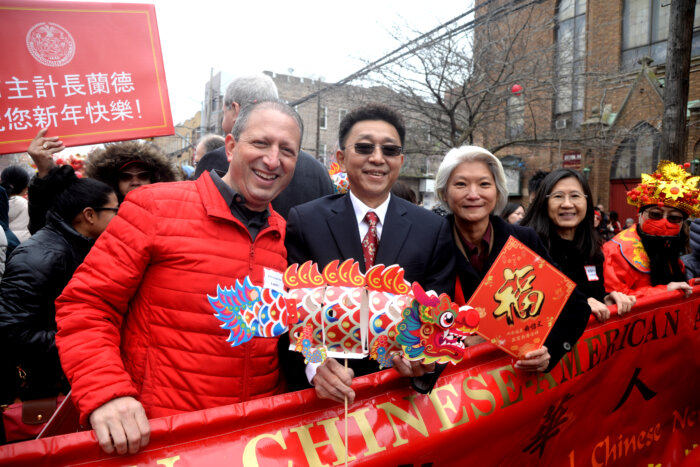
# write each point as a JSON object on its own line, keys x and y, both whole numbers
{"x": 339, "y": 178}
{"x": 344, "y": 314}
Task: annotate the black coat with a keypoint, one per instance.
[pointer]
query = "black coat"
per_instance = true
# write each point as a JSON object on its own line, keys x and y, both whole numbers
{"x": 571, "y": 262}
{"x": 415, "y": 238}
{"x": 35, "y": 276}
{"x": 574, "y": 317}
{"x": 692, "y": 260}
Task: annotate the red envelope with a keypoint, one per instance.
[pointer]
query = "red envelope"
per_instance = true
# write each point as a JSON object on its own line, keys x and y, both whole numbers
{"x": 519, "y": 299}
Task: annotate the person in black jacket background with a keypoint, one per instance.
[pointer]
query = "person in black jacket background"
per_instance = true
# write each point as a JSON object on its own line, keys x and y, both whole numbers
{"x": 562, "y": 216}
{"x": 692, "y": 259}
{"x": 471, "y": 184}
{"x": 35, "y": 275}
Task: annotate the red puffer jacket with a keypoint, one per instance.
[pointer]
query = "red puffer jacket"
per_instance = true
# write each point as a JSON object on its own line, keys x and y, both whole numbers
{"x": 135, "y": 319}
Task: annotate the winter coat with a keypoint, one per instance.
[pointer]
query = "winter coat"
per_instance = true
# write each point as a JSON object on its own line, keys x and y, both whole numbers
{"x": 136, "y": 319}
{"x": 19, "y": 217}
{"x": 692, "y": 259}
{"x": 35, "y": 275}
{"x": 3, "y": 252}
{"x": 571, "y": 262}
{"x": 12, "y": 240}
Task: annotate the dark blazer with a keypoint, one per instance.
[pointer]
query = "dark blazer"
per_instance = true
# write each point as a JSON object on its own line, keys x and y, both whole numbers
{"x": 574, "y": 317}
{"x": 415, "y": 238}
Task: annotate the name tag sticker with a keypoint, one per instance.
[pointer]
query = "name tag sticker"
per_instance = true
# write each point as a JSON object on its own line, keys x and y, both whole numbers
{"x": 591, "y": 273}
{"x": 273, "y": 280}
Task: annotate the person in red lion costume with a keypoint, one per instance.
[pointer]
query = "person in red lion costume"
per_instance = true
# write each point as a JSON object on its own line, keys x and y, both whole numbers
{"x": 645, "y": 258}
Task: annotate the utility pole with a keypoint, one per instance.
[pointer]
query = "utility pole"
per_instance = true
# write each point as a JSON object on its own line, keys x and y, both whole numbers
{"x": 318, "y": 120}
{"x": 680, "y": 37}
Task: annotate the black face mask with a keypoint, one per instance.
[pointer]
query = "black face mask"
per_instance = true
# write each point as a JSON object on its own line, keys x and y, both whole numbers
{"x": 663, "y": 256}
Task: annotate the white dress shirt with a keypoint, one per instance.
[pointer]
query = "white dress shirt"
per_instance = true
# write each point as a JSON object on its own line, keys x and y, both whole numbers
{"x": 361, "y": 210}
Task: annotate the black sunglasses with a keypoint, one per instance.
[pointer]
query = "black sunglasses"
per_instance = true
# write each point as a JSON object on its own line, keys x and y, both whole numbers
{"x": 114, "y": 210}
{"x": 672, "y": 217}
{"x": 389, "y": 150}
{"x": 144, "y": 176}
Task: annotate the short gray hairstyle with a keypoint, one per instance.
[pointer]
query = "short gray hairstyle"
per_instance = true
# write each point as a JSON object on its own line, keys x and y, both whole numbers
{"x": 462, "y": 154}
{"x": 211, "y": 141}
{"x": 249, "y": 89}
{"x": 244, "y": 115}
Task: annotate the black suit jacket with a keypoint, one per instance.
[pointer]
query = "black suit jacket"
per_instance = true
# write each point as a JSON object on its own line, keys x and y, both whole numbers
{"x": 574, "y": 317}
{"x": 415, "y": 238}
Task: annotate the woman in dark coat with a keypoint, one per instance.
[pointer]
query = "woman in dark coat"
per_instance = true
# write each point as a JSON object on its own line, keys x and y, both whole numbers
{"x": 35, "y": 275}
{"x": 562, "y": 216}
{"x": 692, "y": 259}
{"x": 471, "y": 184}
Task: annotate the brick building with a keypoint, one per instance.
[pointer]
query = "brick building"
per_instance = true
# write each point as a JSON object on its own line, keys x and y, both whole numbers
{"x": 180, "y": 146}
{"x": 595, "y": 100}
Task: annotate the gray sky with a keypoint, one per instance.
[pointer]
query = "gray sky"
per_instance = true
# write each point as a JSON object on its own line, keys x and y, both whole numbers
{"x": 315, "y": 38}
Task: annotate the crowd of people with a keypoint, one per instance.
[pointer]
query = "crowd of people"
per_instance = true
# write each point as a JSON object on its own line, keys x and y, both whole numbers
{"x": 106, "y": 279}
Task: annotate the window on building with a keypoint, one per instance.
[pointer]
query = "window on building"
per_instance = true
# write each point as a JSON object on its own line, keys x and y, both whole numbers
{"x": 341, "y": 114}
{"x": 512, "y": 166}
{"x": 324, "y": 154}
{"x": 515, "y": 116}
{"x": 637, "y": 154}
{"x": 570, "y": 62}
{"x": 323, "y": 118}
{"x": 645, "y": 31}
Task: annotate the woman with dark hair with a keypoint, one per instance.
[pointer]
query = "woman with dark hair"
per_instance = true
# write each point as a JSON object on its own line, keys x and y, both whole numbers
{"x": 562, "y": 215}
{"x": 472, "y": 185}
{"x": 513, "y": 213}
{"x": 614, "y": 225}
{"x": 34, "y": 277}
{"x": 404, "y": 191}
{"x": 14, "y": 179}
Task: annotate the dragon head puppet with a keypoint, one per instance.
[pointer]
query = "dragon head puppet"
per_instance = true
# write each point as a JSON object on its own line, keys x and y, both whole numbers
{"x": 434, "y": 328}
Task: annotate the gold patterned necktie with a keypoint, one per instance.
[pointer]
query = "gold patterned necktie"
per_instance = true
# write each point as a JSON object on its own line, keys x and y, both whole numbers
{"x": 371, "y": 241}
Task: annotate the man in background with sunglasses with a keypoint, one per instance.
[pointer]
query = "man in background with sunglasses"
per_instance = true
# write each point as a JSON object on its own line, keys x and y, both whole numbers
{"x": 645, "y": 258}
{"x": 369, "y": 225}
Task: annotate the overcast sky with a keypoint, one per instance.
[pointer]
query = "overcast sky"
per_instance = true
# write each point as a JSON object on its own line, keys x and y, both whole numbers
{"x": 315, "y": 38}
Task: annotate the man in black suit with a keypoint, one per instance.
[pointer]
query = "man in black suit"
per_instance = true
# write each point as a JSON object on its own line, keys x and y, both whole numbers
{"x": 311, "y": 179}
{"x": 371, "y": 139}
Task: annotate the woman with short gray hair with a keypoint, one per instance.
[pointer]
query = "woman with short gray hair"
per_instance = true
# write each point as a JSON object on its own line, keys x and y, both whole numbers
{"x": 472, "y": 185}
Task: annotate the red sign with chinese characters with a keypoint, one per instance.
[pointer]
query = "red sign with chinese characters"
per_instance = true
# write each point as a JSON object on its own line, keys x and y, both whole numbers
{"x": 519, "y": 299}
{"x": 91, "y": 72}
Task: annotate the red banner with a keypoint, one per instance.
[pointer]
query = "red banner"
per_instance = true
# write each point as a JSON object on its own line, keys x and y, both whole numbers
{"x": 627, "y": 394}
{"x": 92, "y": 72}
